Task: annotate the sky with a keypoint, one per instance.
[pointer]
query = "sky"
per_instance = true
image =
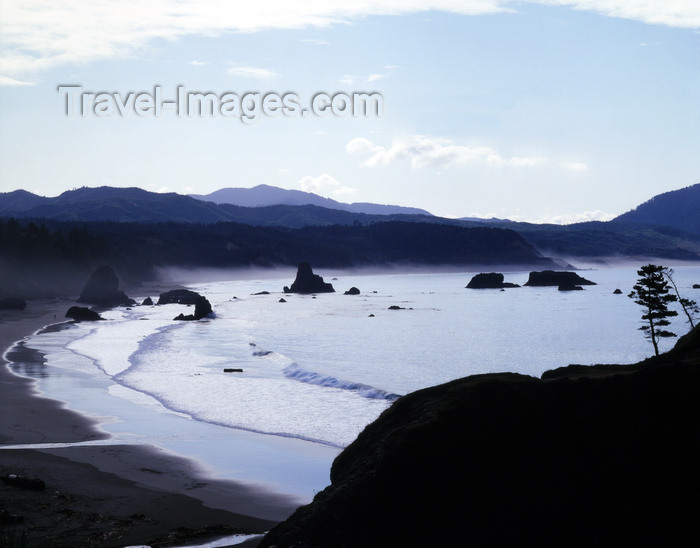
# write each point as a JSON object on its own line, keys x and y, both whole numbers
{"x": 542, "y": 110}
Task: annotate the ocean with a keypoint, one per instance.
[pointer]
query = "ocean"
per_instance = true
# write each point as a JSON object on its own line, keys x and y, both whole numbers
{"x": 315, "y": 370}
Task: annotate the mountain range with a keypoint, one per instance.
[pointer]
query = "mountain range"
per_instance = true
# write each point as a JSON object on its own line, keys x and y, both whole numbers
{"x": 666, "y": 226}
{"x": 266, "y": 195}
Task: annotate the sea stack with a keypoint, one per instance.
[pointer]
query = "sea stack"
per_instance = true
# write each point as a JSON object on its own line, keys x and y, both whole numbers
{"x": 83, "y": 314}
{"x": 202, "y": 307}
{"x": 556, "y": 278}
{"x": 103, "y": 289}
{"x": 308, "y": 282}
{"x": 491, "y": 280}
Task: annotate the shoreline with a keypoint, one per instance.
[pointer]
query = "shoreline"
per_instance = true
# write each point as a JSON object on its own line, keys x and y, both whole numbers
{"x": 112, "y": 494}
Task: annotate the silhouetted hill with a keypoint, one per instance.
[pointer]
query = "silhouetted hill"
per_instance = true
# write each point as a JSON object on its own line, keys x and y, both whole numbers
{"x": 595, "y": 239}
{"x": 112, "y": 204}
{"x": 604, "y": 458}
{"x": 266, "y": 195}
{"x": 678, "y": 209}
{"x": 610, "y": 239}
{"x": 21, "y": 200}
{"x": 137, "y": 205}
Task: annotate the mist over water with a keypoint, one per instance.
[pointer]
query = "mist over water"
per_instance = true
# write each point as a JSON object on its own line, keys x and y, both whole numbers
{"x": 320, "y": 368}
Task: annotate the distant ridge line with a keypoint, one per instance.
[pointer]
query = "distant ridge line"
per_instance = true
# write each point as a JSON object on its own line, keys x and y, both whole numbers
{"x": 267, "y": 195}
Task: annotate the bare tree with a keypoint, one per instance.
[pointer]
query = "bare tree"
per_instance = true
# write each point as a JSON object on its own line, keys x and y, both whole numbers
{"x": 689, "y": 306}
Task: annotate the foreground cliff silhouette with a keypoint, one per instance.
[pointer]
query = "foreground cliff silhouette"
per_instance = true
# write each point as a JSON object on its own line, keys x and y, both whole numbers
{"x": 601, "y": 456}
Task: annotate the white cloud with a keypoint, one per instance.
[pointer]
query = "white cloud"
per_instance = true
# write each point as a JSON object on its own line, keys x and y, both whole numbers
{"x": 344, "y": 190}
{"x": 316, "y": 41}
{"x": 36, "y": 35}
{"x": 252, "y": 72}
{"x": 7, "y": 81}
{"x": 575, "y": 166}
{"x": 324, "y": 184}
{"x": 517, "y": 161}
{"x": 423, "y": 151}
{"x": 350, "y": 79}
{"x": 566, "y": 218}
{"x": 673, "y": 13}
{"x": 283, "y": 171}
{"x": 196, "y": 63}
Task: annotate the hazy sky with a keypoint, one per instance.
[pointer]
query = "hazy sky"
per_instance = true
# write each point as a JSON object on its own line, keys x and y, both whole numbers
{"x": 548, "y": 110}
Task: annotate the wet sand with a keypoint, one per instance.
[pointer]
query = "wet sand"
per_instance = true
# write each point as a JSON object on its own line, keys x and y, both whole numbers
{"x": 104, "y": 494}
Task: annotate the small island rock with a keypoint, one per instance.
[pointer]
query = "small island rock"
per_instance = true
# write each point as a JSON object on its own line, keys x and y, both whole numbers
{"x": 617, "y": 292}
{"x": 147, "y": 302}
{"x": 490, "y": 280}
{"x": 352, "y": 291}
{"x": 202, "y": 307}
{"x": 556, "y": 278}
{"x": 308, "y": 282}
{"x": 83, "y": 314}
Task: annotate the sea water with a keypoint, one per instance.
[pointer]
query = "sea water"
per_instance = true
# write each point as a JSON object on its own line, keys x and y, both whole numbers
{"x": 316, "y": 369}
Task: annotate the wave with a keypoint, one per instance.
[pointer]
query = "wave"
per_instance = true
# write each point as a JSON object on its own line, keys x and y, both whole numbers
{"x": 296, "y": 373}
{"x": 293, "y": 371}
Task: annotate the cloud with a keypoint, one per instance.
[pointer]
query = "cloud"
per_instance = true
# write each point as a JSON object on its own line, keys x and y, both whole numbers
{"x": 672, "y": 13}
{"x": 36, "y": 35}
{"x": 575, "y": 166}
{"x": 252, "y": 72}
{"x": 422, "y": 152}
{"x": 350, "y": 79}
{"x": 7, "y": 81}
{"x": 196, "y": 63}
{"x": 324, "y": 184}
{"x": 567, "y": 218}
{"x": 316, "y": 41}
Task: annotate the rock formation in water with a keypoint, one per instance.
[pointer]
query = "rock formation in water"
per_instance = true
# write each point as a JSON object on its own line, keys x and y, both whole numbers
{"x": 352, "y": 291}
{"x": 603, "y": 456}
{"x": 490, "y": 280}
{"x": 202, "y": 307}
{"x": 147, "y": 302}
{"x": 556, "y": 278}
{"x": 570, "y": 287}
{"x": 83, "y": 314}
{"x": 102, "y": 289}
{"x": 308, "y": 282}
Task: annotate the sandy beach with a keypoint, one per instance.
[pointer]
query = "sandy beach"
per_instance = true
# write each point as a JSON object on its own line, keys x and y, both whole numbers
{"x": 104, "y": 494}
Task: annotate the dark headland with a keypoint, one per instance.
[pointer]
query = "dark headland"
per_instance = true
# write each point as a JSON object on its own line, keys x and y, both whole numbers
{"x": 585, "y": 456}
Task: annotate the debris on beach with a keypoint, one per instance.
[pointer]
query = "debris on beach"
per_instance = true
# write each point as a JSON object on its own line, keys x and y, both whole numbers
{"x": 34, "y": 484}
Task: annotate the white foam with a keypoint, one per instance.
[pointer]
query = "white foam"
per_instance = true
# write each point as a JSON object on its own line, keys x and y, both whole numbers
{"x": 321, "y": 369}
